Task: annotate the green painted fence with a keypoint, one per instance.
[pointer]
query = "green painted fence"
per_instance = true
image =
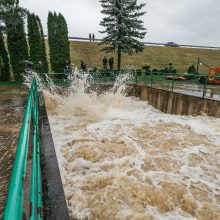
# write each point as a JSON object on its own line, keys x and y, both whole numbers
{"x": 195, "y": 84}
{"x": 15, "y": 200}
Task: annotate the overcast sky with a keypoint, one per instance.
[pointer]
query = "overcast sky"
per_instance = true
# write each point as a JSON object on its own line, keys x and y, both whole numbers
{"x": 182, "y": 21}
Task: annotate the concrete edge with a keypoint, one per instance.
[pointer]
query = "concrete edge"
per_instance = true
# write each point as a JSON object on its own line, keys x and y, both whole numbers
{"x": 54, "y": 201}
{"x": 177, "y": 103}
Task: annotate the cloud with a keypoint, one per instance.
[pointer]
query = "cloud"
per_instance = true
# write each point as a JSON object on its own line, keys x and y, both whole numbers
{"x": 182, "y": 21}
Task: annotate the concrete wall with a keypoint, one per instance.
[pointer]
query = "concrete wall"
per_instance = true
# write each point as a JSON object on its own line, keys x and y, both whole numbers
{"x": 177, "y": 103}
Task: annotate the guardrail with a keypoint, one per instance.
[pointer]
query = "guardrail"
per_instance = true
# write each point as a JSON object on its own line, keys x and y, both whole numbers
{"x": 15, "y": 199}
{"x": 148, "y": 43}
{"x": 191, "y": 84}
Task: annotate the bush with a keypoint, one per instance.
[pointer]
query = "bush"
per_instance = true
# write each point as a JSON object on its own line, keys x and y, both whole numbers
{"x": 138, "y": 71}
{"x": 192, "y": 69}
{"x": 155, "y": 70}
{"x": 146, "y": 67}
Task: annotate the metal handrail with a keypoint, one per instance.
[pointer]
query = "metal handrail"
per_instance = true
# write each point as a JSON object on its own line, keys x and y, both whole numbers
{"x": 15, "y": 199}
{"x": 151, "y": 79}
{"x": 140, "y": 71}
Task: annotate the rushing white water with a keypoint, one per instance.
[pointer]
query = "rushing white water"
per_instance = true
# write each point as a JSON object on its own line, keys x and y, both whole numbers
{"x": 120, "y": 158}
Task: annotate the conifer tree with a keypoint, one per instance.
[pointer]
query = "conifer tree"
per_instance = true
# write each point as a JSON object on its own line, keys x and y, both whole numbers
{"x": 17, "y": 45}
{"x": 64, "y": 40}
{"x": 1, "y": 65}
{"x": 52, "y": 39}
{"x": 7, "y": 8}
{"x": 5, "y": 71}
{"x": 44, "y": 54}
{"x": 58, "y": 41}
{"x": 11, "y": 21}
{"x": 36, "y": 44}
{"x": 122, "y": 27}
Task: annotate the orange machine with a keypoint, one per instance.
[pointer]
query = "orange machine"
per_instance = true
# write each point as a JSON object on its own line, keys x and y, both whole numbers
{"x": 214, "y": 78}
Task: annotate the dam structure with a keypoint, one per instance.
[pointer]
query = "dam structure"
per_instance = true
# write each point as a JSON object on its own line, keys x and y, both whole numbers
{"x": 119, "y": 150}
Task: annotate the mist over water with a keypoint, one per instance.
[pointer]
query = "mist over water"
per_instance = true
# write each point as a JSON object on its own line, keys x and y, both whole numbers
{"x": 120, "y": 158}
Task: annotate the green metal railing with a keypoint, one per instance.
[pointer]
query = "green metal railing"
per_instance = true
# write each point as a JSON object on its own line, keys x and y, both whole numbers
{"x": 15, "y": 201}
{"x": 191, "y": 86}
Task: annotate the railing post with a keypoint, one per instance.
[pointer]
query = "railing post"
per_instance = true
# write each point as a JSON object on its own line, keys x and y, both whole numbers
{"x": 173, "y": 82}
{"x": 151, "y": 80}
{"x": 136, "y": 78}
{"x": 204, "y": 88}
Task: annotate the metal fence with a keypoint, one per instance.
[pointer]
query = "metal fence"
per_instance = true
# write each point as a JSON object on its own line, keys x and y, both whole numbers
{"x": 14, "y": 208}
{"x": 191, "y": 84}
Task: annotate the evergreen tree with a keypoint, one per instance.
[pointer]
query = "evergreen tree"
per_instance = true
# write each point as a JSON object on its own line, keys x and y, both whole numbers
{"x": 44, "y": 54}
{"x": 58, "y": 41}
{"x": 8, "y": 7}
{"x": 64, "y": 39}
{"x": 5, "y": 70}
{"x": 122, "y": 27}
{"x": 36, "y": 44}
{"x": 1, "y": 65}
{"x": 52, "y": 39}
{"x": 17, "y": 45}
{"x": 11, "y": 21}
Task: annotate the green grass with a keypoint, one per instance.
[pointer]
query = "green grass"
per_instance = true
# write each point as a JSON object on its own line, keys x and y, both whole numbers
{"x": 154, "y": 56}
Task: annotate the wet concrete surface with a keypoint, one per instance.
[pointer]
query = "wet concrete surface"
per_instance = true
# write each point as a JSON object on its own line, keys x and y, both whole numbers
{"x": 12, "y": 106}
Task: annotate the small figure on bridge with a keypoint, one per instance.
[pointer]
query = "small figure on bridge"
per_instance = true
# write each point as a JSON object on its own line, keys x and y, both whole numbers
{"x": 83, "y": 66}
{"x": 105, "y": 63}
{"x": 90, "y": 37}
{"x": 93, "y": 37}
{"x": 111, "y": 63}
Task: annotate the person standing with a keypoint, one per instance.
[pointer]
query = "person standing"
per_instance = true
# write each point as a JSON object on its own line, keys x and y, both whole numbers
{"x": 93, "y": 37}
{"x": 67, "y": 67}
{"x": 83, "y": 66}
{"x": 90, "y": 37}
{"x": 111, "y": 63}
{"x": 105, "y": 61}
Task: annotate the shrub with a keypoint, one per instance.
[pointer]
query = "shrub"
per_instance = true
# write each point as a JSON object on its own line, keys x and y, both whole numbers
{"x": 146, "y": 67}
{"x": 192, "y": 69}
{"x": 138, "y": 71}
{"x": 155, "y": 70}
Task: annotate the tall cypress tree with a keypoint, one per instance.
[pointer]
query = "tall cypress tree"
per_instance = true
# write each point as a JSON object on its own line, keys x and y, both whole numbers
{"x": 36, "y": 44}
{"x": 44, "y": 54}
{"x": 58, "y": 41}
{"x": 52, "y": 37}
{"x": 5, "y": 71}
{"x": 11, "y": 16}
{"x": 64, "y": 40}
{"x": 17, "y": 44}
{"x": 122, "y": 26}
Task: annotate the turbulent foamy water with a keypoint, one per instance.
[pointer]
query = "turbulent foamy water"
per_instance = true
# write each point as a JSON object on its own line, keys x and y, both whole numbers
{"x": 122, "y": 159}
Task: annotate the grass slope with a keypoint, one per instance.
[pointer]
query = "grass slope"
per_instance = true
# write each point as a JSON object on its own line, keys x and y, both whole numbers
{"x": 155, "y": 56}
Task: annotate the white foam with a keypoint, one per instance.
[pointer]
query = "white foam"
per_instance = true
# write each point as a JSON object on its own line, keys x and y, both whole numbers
{"x": 110, "y": 146}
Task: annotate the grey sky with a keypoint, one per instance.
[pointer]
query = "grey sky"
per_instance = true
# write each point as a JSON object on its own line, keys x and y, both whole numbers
{"x": 182, "y": 21}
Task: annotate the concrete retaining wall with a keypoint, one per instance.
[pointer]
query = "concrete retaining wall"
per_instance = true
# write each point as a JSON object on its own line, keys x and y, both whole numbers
{"x": 177, "y": 103}
{"x": 54, "y": 202}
